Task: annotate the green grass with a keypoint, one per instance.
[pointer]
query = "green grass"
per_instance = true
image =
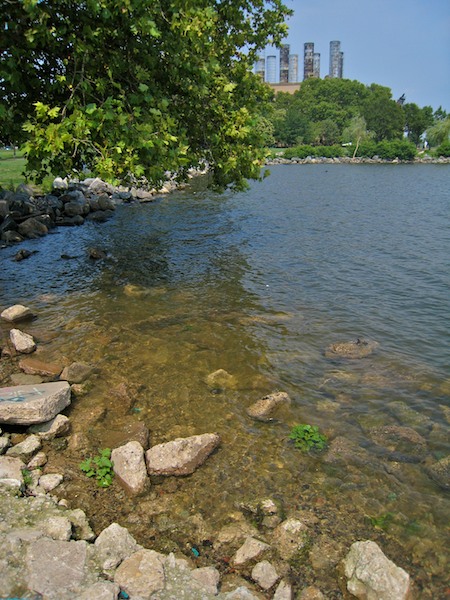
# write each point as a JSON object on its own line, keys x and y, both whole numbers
{"x": 11, "y": 169}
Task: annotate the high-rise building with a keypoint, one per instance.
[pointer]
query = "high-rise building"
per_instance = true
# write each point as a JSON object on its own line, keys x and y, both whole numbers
{"x": 336, "y": 60}
{"x": 308, "y": 60}
{"x": 316, "y": 65}
{"x": 284, "y": 63}
{"x": 271, "y": 69}
{"x": 260, "y": 67}
{"x": 293, "y": 68}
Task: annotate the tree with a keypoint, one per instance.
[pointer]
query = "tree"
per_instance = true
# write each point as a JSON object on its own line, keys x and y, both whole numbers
{"x": 416, "y": 121}
{"x": 135, "y": 88}
{"x": 356, "y": 132}
{"x": 439, "y": 133}
{"x": 382, "y": 114}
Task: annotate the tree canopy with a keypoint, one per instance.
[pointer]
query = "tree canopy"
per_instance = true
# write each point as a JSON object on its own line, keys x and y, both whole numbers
{"x": 131, "y": 89}
{"x": 329, "y": 111}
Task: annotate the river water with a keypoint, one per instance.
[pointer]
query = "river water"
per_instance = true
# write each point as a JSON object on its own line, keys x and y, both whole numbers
{"x": 259, "y": 284}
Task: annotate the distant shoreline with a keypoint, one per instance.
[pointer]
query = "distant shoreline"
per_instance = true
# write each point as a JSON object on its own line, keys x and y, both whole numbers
{"x": 346, "y": 160}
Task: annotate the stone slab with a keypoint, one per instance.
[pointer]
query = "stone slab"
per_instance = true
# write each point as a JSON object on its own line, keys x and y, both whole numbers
{"x": 30, "y": 404}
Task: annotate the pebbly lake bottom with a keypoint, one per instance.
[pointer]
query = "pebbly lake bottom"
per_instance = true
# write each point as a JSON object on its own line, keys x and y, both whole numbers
{"x": 195, "y": 284}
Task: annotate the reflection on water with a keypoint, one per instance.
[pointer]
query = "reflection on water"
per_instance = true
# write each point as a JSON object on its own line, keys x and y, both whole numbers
{"x": 259, "y": 284}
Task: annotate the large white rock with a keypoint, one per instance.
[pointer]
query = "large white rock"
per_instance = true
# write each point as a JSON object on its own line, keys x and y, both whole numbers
{"x": 30, "y": 404}
{"x": 16, "y": 313}
{"x": 22, "y": 342}
{"x": 372, "y": 576}
{"x": 181, "y": 456}
{"x": 129, "y": 467}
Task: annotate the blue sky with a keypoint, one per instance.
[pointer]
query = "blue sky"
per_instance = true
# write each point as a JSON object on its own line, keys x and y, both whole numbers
{"x": 402, "y": 44}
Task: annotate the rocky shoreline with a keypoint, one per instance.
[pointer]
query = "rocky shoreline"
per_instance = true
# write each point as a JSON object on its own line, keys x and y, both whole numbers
{"x": 48, "y": 548}
{"x": 347, "y": 160}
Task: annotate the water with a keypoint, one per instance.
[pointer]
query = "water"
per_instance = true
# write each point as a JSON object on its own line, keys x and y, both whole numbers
{"x": 260, "y": 284}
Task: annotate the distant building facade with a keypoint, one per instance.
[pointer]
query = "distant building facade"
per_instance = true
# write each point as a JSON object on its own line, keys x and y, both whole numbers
{"x": 336, "y": 60}
{"x": 293, "y": 68}
{"x": 308, "y": 60}
{"x": 284, "y": 63}
{"x": 316, "y": 65}
{"x": 271, "y": 69}
{"x": 260, "y": 67}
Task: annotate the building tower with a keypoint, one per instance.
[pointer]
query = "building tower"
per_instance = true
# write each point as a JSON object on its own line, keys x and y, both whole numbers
{"x": 293, "y": 68}
{"x": 271, "y": 69}
{"x": 316, "y": 65}
{"x": 308, "y": 60}
{"x": 284, "y": 63}
{"x": 336, "y": 59}
{"x": 260, "y": 67}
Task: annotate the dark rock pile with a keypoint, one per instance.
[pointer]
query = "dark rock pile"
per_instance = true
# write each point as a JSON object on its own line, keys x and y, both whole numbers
{"x": 24, "y": 214}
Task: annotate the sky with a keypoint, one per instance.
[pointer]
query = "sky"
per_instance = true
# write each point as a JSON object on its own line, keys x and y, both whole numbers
{"x": 401, "y": 44}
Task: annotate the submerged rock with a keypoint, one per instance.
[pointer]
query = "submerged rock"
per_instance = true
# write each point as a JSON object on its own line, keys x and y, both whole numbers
{"x": 440, "y": 472}
{"x": 371, "y": 575}
{"x": 263, "y": 409}
{"x": 181, "y": 456}
{"x": 354, "y": 349}
{"x": 401, "y": 444}
{"x": 15, "y": 313}
{"x": 77, "y": 372}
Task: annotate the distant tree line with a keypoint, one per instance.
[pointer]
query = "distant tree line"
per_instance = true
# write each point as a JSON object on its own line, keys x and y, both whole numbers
{"x": 329, "y": 112}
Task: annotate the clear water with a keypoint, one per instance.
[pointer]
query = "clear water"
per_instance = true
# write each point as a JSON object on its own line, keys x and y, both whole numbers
{"x": 259, "y": 284}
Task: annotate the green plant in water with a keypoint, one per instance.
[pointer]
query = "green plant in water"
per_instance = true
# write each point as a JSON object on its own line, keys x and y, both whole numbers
{"x": 383, "y": 521}
{"x": 100, "y": 467}
{"x": 308, "y": 437}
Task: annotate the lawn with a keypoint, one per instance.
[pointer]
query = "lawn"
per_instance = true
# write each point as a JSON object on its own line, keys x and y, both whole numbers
{"x": 11, "y": 168}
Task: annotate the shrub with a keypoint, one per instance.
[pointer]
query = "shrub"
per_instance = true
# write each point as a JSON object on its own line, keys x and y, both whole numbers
{"x": 443, "y": 149}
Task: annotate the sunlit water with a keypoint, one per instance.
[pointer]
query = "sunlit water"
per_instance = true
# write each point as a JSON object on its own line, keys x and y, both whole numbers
{"x": 259, "y": 284}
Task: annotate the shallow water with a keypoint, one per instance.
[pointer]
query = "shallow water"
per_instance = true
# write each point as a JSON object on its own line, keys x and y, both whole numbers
{"x": 260, "y": 284}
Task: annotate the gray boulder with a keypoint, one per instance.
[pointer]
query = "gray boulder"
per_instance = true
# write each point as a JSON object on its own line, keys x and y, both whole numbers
{"x": 54, "y": 565}
{"x": 77, "y": 372}
{"x": 142, "y": 574}
{"x": 250, "y": 550}
{"x": 113, "y": 545}
{"x": 30, "y": 404}
{"x": 372, "y": 576}
{"x": 32, "y": 228}
{"x": 22, "y": 342}
{"x": 26, "y": 449}
{"x": 57, "y": 427}
{"x": 130, "y": 468}
{"x": 11, "y": 472}
{"x": 181, "y": 456}
{"x": 15, "y": 313}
